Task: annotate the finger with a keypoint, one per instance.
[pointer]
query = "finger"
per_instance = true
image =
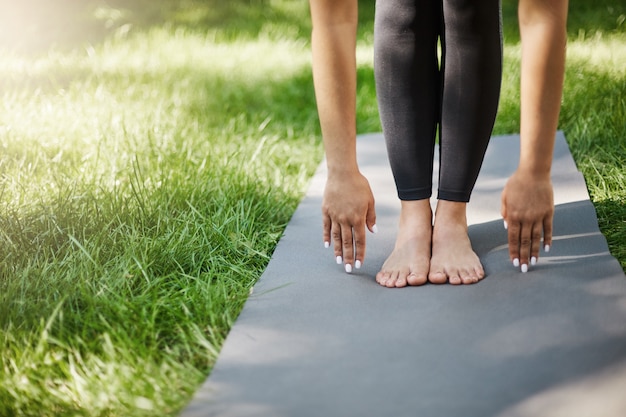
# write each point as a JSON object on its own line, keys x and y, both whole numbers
{"x": 326, "y": 226}
{"x": 547, "y": 233}
{"x": 503, "y": 205}
{"x": 336, "y": 241}
{"x": 514, "y": 238}
{"x": 347, "y": 245}
{"x": 525, "y": 243}
{"x": 359, "y": 245}
{"x": 535, "y": 244}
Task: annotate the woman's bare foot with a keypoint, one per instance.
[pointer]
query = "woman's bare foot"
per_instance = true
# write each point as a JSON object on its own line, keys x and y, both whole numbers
{"x": 453, "y": 259}
{"x": 409, "y": 262}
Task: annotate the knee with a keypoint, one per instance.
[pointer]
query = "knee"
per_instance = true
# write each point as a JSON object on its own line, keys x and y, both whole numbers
{"x": 467, "y": 17}
{"x": 394, "y": 17}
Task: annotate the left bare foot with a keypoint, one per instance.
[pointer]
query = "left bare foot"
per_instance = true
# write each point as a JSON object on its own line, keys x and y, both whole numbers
{"x": 453, "y": 260}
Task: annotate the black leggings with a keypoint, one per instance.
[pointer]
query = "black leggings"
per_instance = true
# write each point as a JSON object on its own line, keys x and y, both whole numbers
{"x": 418, "y": 93}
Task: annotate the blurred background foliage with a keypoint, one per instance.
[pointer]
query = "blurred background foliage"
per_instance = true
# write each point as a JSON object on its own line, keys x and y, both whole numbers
{"x": 36, "y": 25}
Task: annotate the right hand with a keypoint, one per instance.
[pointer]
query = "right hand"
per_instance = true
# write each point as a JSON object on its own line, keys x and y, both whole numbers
{"x": 528, "y": 210}
{"x": 347, "y": 209}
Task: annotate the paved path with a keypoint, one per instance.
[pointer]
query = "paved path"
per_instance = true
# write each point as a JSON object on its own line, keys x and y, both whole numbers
{"x": 314, "y": 341}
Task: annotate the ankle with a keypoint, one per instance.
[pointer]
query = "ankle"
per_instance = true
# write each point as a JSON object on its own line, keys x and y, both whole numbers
{"x": 451, "y": 211}
{"x": 416, "y": 211}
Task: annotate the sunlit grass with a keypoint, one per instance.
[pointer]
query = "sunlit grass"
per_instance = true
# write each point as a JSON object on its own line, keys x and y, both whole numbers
{"x": 145, "y": 182}
{"x": 147, "y": 173}
{"x": 594, "y": 118}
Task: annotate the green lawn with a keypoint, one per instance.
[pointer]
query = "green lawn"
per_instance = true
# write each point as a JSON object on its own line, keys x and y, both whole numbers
{"x": 151, "y": 153}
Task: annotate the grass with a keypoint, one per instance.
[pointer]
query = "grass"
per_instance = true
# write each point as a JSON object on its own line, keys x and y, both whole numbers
{"x": 151, "y": 153}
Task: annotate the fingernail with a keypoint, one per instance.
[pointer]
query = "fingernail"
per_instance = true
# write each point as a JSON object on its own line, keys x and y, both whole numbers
{"x": 374, "y": 229}
{"x": 516, "y": 262}
{"x": 533, "y": 261}
{"x": 339, "y": 260}
{"x": 506, "y": 225}
{"x": 524, "y": 268}
{"x": 546, "y": 248}
{"x": 348, "y": 268}
{"x": 357, "y": 264}
{"x": 327, "y": 245}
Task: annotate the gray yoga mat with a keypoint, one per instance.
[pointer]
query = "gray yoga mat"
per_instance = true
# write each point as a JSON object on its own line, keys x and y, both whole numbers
{"x": 314, "y": 341}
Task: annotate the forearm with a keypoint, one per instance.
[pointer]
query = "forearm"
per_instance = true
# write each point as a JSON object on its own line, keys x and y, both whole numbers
{"x": 544, "y": 36}
{"x": 334, "y": 74}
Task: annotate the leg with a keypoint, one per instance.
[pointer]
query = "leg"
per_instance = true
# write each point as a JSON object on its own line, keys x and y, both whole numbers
{"x": 472, "y": 65}
{"x": 471, "y": 87}
{"x": 408, "y": 88}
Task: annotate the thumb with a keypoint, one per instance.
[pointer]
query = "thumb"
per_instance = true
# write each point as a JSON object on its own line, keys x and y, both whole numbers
{"x": 503, "y": 209}
{"x": 370, "y": 218}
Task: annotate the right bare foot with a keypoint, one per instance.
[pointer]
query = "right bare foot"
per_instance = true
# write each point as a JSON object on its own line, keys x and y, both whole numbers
{"x": 453, "y": 258}
{"x": 409, "y": 262}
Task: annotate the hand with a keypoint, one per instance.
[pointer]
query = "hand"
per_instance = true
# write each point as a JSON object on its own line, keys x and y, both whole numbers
{"x": 347, "y": 209}
{"x": 527, "y": 209}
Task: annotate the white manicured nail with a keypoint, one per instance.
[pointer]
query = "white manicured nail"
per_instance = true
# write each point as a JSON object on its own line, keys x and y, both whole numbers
{"x": 506, "y": 225}
{"x": 524, "y": 268}
{"x": 374, "y": 229}
{"x": 339, "y": 260}
{"x": 546, "y": 248}
{"x": 533, "y": 261}
{"x": 348, "y": 268}
{"x": 327, "y": 245}
{"x": 516, "y": 262}
{"x": 357, "y": 264}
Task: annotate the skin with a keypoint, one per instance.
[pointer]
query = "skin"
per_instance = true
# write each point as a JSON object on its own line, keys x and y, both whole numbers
{"x": 348, "y": 203}
{"x": 527, "y": 198}
{"x": 420, "y": 254}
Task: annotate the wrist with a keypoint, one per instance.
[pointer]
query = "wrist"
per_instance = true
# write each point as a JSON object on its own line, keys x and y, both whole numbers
{"x": 536, "y": 157}
{"x": 343, "y": 169}
{"x": 534, "y": 172}
{"x": 342, "y": 160}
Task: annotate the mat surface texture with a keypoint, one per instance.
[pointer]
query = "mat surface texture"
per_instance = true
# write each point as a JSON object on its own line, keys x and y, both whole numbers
{"x": 315, "y": 341}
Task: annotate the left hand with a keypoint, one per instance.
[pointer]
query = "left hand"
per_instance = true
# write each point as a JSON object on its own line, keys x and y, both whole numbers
{"x": 347, "y": 210}
{"x": 528, "y": 210}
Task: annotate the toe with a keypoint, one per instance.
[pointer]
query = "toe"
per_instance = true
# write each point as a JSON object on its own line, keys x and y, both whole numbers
{"x": 391, "y": 282}
{"x": 468, "y": 277}
{"x": 480, "y": 273}
{"x": 455, "y": 279}
{"x": 415, "y": 279}
{"x": 455, "y": 276}
{"x": 437, "y": 277}
{"x": 382, "y": 277}
{"x": 401, "y": 281}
